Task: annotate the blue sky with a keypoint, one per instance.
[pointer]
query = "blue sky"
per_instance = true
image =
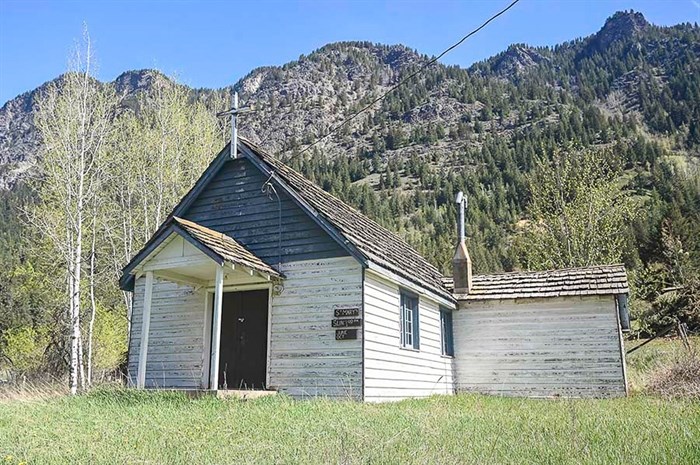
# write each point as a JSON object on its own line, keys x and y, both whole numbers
{"x": 215, "y": 43}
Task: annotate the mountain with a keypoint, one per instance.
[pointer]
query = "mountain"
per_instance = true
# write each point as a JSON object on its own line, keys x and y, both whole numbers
{"x": 19, "y": 140}
{"x": 300, "y": 101}
{"x": 620, "y": 26}
{"x": 517, "y": 60}
{"x": 632, "y": 85}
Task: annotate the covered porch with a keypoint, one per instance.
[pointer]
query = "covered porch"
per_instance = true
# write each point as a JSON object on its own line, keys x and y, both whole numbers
{"x": 235, "y": 288}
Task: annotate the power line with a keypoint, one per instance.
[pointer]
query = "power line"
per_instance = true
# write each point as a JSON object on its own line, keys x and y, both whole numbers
{"x": 403, "y": 81}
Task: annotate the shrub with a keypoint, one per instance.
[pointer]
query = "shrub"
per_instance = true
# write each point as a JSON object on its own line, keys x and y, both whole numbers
{"x": 110, "y": 341}
{"x": 680, "y": 379}
{"x": 23, "y": 347}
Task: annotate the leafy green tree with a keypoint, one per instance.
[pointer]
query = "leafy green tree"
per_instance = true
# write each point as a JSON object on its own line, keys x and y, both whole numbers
{"x": 578, "y": 212}
{"x": 669, "y": 290}
{"x": 23, "y": 347}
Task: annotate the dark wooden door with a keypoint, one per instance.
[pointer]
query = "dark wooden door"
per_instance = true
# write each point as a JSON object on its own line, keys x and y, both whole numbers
{"x": 243, "y": 347}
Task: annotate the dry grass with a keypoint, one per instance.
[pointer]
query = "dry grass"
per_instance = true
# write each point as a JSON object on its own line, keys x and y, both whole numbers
{"x": 32, "y": 391}
{"x": 679, "y": 380}
{"x": 649, "y": 363}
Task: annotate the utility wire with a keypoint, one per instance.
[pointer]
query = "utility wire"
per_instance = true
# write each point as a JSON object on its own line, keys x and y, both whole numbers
{"x": 403, "y": 81}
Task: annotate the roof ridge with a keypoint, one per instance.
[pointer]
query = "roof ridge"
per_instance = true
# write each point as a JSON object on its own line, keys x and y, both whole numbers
{"x": 549, "y": 271}
{"x": 553, "y": 270}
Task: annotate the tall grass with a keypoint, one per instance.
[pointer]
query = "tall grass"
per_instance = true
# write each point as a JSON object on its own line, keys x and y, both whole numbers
{"x": 128, "y": 426}
{"x": 647, "y": 363}
{"x": 40, "y": 425}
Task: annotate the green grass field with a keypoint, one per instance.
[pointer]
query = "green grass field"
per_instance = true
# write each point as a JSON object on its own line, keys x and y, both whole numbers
{"x": 115, "y": 426}
{"x": 118, "y": 427}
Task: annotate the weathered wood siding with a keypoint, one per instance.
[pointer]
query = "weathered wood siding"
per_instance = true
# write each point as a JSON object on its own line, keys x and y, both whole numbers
{"x": 567, "y": 346}
{"x": 305, "y": 358}
{"x": 233, "y": 203}
{"x": 176, "y": 335}
{"x": 392, "y": 372}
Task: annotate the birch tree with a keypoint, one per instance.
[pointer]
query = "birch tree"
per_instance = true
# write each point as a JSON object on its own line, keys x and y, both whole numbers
{"x": 74, "y": 119}
{"x": 159, "y": 148}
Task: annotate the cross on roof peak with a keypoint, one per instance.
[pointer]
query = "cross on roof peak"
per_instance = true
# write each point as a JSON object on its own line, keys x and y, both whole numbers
{"x": 234, "y": 111}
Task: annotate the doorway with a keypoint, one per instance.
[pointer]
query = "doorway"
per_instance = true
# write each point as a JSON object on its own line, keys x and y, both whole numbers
{"x": 243, "y": 342}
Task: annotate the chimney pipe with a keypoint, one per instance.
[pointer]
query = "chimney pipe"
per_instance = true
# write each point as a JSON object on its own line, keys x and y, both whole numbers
{"x": 461, "y": 262}
{"x": 461, "y": 201}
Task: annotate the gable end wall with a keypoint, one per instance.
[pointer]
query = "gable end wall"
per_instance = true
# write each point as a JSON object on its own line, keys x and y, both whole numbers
{"x": 234, "y": 204}
{"x": 565, "y": 346}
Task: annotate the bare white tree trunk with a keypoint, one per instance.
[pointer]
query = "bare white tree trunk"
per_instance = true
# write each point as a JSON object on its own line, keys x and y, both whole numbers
{"x": 81, "y": 363}
{"x": 77, "y": 252}
{"x": 74, "y": 119}
{"x": 93, "y": 302}
{"x": 74, "y": 332}
{"x": 76, "y": 336}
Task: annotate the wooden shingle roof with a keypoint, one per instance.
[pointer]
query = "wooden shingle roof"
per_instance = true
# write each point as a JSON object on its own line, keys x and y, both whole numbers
{"x": 375, "y": 242}
{"x": 224, "y": 246}
{"x": 592, "y": 280}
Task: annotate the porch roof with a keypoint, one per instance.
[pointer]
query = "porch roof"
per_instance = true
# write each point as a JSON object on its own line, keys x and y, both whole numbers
{"x": 216, "y": 249}
{"x": 224, "y": 247}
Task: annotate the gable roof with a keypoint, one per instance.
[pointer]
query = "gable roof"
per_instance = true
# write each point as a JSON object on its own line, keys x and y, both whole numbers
{"x": 591, "y": 280}
{"x": 374, "y": 242}
{"x": 362, "y": 237}
{"x": 224, "y": 246}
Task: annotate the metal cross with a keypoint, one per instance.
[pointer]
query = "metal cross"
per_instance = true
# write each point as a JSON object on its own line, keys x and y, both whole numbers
{"x": 234, "y": 111}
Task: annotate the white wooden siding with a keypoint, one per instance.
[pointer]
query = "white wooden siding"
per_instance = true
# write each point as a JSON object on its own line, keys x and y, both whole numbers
{"x": 305, "y": 358}
{"x": 392, "y": 372}
{"x": 173, "y": 247}
{"x": 567, "y": 346}
{"x": 176, "y": 335}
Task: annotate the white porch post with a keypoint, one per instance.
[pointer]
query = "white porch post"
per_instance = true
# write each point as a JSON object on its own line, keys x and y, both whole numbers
{"x": 145, "y": 328}
{"x": 216, "y": 328}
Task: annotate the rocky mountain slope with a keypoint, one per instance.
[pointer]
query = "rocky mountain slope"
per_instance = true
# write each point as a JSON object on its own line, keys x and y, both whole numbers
{"x": 629, "y": 70}
{"x": 20, "y": 142}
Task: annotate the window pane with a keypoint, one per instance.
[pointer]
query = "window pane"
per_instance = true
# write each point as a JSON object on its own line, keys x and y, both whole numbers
{"x": 446, "y": 329}
{"x": 402, "y": 320}
{"x": 415, "y": 323}
{"x": 408, "y": 329}
{"x": 402, "y": 326}
{"x": 408, "y": 314}
{"x": 443, "y": 333}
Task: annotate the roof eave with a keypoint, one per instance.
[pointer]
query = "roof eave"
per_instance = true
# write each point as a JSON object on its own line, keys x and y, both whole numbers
{"x": 519, "y": 296}
{"x": 126, "y": 281}
{"x": 397, "y": 276}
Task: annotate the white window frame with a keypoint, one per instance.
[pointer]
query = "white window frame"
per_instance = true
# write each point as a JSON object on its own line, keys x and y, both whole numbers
{"x": 409, "y": 320}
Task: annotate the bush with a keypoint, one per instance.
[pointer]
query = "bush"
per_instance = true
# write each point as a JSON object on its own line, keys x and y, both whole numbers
{"x": 680, "y": 379}
{"x": 109, "y": 340}
{"x": 23, "y": 347}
